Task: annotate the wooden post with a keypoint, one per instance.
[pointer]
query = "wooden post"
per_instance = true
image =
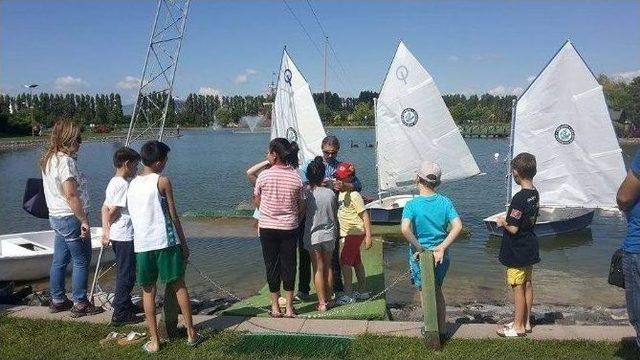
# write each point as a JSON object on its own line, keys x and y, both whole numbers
{"x": 430, "y": 331}
{"x": 168, "y": 325}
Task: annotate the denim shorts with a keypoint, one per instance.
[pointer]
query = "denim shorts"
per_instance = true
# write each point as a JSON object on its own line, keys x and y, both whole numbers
{"x": 416, "y": 274}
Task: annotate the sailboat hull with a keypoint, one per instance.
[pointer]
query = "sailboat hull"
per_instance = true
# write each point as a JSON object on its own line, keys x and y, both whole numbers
{"x": 388, "y": 210}
{"x": 550, "y": 221}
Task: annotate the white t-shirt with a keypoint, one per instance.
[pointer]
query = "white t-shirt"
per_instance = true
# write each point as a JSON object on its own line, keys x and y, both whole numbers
{"x": 62, "y": 167}
{"x": 116, "y": 196}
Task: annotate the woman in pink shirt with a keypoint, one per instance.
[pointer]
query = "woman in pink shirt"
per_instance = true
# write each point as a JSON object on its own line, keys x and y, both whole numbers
{"x": 278, "y": 194}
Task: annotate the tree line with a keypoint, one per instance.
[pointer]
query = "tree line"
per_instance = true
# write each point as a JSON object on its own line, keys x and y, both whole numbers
{"x": 19, "y": 113}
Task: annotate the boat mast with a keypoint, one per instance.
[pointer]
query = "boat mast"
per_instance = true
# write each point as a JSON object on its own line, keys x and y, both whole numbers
{"x": 375, "y": 124}
{"x": 511, "y": 131}
{"x": 324, "y": 93}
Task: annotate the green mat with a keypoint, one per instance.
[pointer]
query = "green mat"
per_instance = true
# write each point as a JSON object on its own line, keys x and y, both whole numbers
{"x": 366, "y": 310}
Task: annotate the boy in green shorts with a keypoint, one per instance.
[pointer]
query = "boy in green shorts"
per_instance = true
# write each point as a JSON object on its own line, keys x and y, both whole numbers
{"x": 158, "y": 240}
{"x": 429, "y": 221}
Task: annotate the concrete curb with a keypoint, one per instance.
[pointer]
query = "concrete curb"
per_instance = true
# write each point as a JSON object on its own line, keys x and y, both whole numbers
{"x": 347, "y": 327}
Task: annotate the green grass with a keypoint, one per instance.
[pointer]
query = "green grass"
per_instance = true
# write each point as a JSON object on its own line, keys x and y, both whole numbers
{"x": 50, "y": 340}
{"x": 370, "y": 310}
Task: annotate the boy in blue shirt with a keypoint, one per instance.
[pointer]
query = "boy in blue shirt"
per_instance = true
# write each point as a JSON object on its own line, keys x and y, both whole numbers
{"x": 425, "y": 220}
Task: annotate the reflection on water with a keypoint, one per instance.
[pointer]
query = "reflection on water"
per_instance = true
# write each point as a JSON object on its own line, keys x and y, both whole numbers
{"x": 207, "y": 171}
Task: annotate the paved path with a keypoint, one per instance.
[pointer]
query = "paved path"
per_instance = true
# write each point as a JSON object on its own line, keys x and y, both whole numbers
{"x": 349, "y": 327}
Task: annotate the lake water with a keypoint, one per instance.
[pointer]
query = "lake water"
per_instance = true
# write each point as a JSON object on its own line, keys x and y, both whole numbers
{"x": 207, "y": 170}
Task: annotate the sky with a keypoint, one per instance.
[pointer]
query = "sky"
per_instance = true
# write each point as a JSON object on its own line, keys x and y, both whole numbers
{"x": 233, "y": 47}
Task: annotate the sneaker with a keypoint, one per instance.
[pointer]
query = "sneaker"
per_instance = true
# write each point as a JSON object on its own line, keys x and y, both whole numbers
{"x": 56, "y": 307}
{"x": 301, "y": 296}
{"x": 344, "y": 300}
{"x": 129, "y": 320}
{"x": 85, "y": 308}
{"x": 361, "y": 295}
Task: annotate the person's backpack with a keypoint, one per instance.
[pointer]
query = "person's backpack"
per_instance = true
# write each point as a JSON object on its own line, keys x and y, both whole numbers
{"x": 34, "y": 201}
{"x": 616, "y": 276}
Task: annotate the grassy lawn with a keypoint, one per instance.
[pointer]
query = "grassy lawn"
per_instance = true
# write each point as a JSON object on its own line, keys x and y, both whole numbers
{"x": 42, "y": 339}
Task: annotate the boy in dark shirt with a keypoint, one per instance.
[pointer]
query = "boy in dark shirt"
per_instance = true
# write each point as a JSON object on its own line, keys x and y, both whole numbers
{"x": 519, "y": 249}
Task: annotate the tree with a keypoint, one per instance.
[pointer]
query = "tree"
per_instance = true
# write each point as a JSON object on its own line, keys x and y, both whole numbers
{"x": 363, "y": 115}
{"x": 224, "y": 117}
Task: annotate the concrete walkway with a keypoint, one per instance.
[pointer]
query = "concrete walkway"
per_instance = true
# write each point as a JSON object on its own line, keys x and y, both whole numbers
{"x": 349, "y": 327}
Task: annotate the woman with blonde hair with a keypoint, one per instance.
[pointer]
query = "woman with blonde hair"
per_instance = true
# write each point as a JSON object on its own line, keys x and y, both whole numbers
{"x": 65, "y": 189}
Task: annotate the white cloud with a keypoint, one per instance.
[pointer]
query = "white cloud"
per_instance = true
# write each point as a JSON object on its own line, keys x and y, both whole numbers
{"x": 69, "y": 83}
{"x": 129, "y": 82}
{"x": 530, "y": 78}
{"x": 502, "y": 90}
{"x": 487, "y": 57}
{"x": 627, "y": 76}
{"x": 453, "y": 58}
{"x": 244, "y": 76}
{"x": 206, "y": 90}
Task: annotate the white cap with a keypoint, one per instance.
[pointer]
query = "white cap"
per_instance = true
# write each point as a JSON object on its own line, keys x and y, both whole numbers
{"x": 430, "y": 172}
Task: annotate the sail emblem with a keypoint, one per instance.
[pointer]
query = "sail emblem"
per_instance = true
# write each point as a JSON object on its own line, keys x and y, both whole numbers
{"x": 564, "y": 134}
{"x": 292, "y": 134}
{"x": 402, "y": 73}
{"x": 287, "y": 76}
{"x": 409, "y": 117}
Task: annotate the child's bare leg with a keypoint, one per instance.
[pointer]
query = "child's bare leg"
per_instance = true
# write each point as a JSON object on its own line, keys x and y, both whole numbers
{"x": 318, "y": 276}
{"x": 347, "y": 278}
{"x": 442, "y": 310}
{"x": 275, "y": 305}
{"x": 149, "y": 304}
{"x": 529, "y": 299}
{"x": 182, "y": 295}
{"x": 520, "y": 304}
{"x": 362, "y": 277}
{"x": 328, "y": 274}
{"x": 289, "y": 296}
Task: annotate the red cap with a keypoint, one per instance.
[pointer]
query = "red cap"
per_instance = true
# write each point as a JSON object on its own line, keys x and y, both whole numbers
{"x": 344, "y": 170}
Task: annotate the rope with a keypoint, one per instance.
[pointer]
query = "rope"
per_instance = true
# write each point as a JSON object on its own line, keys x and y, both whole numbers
{"x": 315, "y": 45}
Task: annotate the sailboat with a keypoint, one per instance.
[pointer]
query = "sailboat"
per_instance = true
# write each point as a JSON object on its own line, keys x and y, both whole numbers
{"x": 294, "y": 115}
{"x": 562, "y": 119}
{"x": 412, "y": 125}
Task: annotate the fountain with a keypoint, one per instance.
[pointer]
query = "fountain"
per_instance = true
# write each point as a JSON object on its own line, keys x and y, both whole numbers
{"x": 251, "y": 121}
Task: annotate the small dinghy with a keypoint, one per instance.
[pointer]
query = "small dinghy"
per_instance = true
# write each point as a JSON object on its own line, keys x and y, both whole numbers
{"x": 28, "y": 256}
{"x": 413, "y": 124}
{"x": 294, "y": 115}
{"x": 562, "y": 119}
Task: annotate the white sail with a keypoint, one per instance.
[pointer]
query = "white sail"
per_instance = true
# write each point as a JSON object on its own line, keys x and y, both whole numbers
{"x": 294, "y": 113}
{"x": 562, "y": 119}
{"x": 413, "y": 124}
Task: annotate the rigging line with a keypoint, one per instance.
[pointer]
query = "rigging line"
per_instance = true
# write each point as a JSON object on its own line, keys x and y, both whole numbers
{"x": 324, "y": 33}
{"x": 315, "y": 45}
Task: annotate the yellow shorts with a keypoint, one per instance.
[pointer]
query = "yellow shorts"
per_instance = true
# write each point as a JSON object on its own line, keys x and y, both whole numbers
{"x": 518, "y": 276}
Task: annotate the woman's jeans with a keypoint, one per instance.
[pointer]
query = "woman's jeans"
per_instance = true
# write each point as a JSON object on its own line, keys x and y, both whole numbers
{"x": 631, "y": 270}
{"x": 69, "y": 247}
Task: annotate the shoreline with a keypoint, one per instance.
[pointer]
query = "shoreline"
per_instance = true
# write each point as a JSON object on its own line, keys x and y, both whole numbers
{"x": 13, "y": 143}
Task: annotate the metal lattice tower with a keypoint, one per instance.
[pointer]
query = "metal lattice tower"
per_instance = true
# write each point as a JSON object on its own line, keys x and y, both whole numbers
{"x": 158, "y": 73}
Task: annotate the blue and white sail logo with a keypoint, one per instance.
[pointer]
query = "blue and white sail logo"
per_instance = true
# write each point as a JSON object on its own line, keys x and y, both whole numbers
{"x": 409, "y": 117}
{"x": 292, "y": 134}
{"x": 564, "y": 134}
{"x": 287, "y": 76}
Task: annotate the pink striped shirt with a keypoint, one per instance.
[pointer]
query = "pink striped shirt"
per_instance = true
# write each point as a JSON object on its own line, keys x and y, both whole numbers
{"x": 280, "y": 189}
